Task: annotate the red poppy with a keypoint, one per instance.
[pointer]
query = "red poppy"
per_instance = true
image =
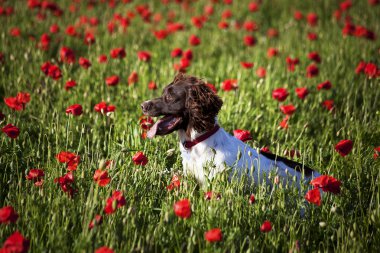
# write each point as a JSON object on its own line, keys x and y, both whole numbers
{"x": 144, "y": 56}
{"x": 327, "y": 184}
{"x": 44, "y": 41}
{"x": 312, "y": 36}
{"x": 328, "y": 104}
{"x": 67, "y": 55}
{"x": 112, "y": 80}
{"x": 85, "y": 63}
{"x": 15, "y": 243}
{"x": 8, "y": 215}
{"x": 89, "y": 38}
{"x": 326, "y": 85}
{"x": 246, "y": 65}
{"x": 265, "y": 150}
{"x": 114, "y": 202}
{"x": 214, "y": 235}
{"x": 272, "y": 33}
{"x": 70, "y": 84}
{"x": 266, "y": 227}
{"x": 280, "y": 94}
{"x": 251, "y": 199}
{"x": 226, "y": 14}
{"x": 140, "y": 159}
{"x": 71, "y": 31}
{"x": 371, "y": 70}
{"x": 284, "y": 123}
{"x": 249, "y": 40}
{"x": 75, "y": 109}
{"x": 261, "y": 72}
{"x": 11, "y": 131}
{"x": 298, "y": 15}
{"x": 18, "y": 103}
{"x": 182, "y": 208}
{"x": 101, "y": 177}
{"x": 37, "y": 176}
{"x": 118, "y": 53}
{"x": 176, "y": 52}
{"x": 175, "y": 183}
{"x": 104, "y": 249}
{"x": 146, "y": 122}
{"x": 344, "y": 147}
{"x": 229, "y": 84}
{"x": 288, "y": 109}
{"x": 197, "y": 21}
{"x": 102, "y": 58}
{"x": 223, "y": 25}
{"x": 243, "y": 135}
{"x": 212, "y": 87}
{"x": 377, "y": 152}
{"x": 250, "y": 26}
{"x": 314, "y": 56}
{"x": 312, "y": 19}
{"x": 133, "y": 78}
{"x": 253, "y": 6}
{"x": 194, "y": 40}
{"x": 312, "y": 70}
{"x": 66, "y": 183}
{"x": 314, "y": 196}
{"x": 291, "y": 63}
{"x": 71, "y": 159}
{"x": 98, "y": 220}
{"x": 15, "y": 32}
{"x": 152, "y": 85}
{"x": 272, "y": 52}
{"x": 209, "y": 195}
{"x": 54, "y": 28}
{"x": 188, "y": 54}
{"x": 103, "y": 108}
{"x": 51, "y": 70}
{"x": 302, "y": 92}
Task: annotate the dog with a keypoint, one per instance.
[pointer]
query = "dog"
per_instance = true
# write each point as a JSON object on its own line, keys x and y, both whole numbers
{"x": 190, "y": 107}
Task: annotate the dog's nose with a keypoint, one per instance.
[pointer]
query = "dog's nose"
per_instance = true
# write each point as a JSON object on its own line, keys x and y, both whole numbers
{"x": 146, "y": 106}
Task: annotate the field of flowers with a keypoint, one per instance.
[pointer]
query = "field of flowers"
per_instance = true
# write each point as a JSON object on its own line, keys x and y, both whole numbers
{"x": 298, "y": 78}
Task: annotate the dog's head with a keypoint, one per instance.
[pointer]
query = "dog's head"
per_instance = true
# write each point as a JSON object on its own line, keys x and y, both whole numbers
{"x": 186, "y": 103}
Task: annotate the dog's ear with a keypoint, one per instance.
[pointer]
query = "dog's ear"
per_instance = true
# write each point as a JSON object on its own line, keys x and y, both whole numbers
{"x": 179, "y": 76}
{"x": 202, "y": 105}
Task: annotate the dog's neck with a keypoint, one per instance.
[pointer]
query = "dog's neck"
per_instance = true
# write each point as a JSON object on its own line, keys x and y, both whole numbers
{"x": 183, "y": 136}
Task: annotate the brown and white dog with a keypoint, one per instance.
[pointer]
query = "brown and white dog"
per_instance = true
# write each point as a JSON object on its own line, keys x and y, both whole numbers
{"x": 190, "y": 107}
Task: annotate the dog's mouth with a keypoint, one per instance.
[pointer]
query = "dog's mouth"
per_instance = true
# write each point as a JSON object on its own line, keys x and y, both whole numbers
{"x": 164, "y": 126}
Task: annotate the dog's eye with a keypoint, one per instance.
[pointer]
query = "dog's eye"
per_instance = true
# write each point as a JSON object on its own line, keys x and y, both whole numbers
{"x": 168, "y": 97}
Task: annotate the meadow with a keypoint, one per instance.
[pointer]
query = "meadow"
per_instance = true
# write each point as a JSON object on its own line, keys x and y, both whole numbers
{"x": 63, "y": 153}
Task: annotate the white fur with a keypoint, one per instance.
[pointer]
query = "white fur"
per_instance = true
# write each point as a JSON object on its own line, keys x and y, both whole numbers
{"x": 221, "y": 151}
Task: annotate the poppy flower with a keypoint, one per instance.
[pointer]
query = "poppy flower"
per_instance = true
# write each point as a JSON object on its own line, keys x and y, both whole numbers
{"x": 194, "y": 40}
{"x": 176, "y": 52}
{"x": 284, "y": 123}
{"x": 15, "y": 32}
{"x": 265, "y": 150}
{"x": 140, "y": 159}
{"x": 66, "y": 182}
{"x": 253, "y": 6}
{"x": 133, "y": 78}
{"x": 71, "y": 31}
{"x": 70, "y": 84}
{"x": 280, "y": 94}
{"x": 146, "y": 122}
{"x": 371, "y": 70}
{"x": 377, "y": 152}
{"x": 75, "y": 109}
{"x": 11, "y": 131}
{"x": 36, "y": 175}
{"x": 328, "y": 104}
{"x": 18, "y": 103}
{"x": 243, "y": 135}
{"x": 291, "y": 63}
{"x": 312, "y": 70}
{"x": 250, "y": 26}
{"x": 314, "y": 56}
{"x": 197, "y": 21}
{"x": 344, "y": 147}
{"x": 249, "y": 40}
{"x": 54, "y": 28}
{"x": 223, "y": 25}
{"x": 144, "y": 56}
{"x": 101, "y": 177}
{"x": 114, "y": 202}
{"x": 8, "y": 215}
{"x": 182, "y": 208}
{"x": 102, "y": 58}
{"x": 103, "y": 108}
{"x": 327, "y": 184}
{"x": 266, "y": 227}
{"x": 302, "y": 92}
{"x": 272, "y": 33}
{"x": 298, "y": 15}
{"x": 326, "y": 85}
{"x": 314, "y": 196}
{"x": 89, "y": 38}
{"x": 246, "y": 65}
{"x": 104, "y": 249}
{"x": 251, "y": 199}
{"x": 209, "y": 195}
{"x": 312, "y": 36}
{"x": 214, "y": 235}
{"x": 118, "y": 53}
{"x": 85, "y": 63}
{"x": 208, "y": 10}
{"x": 261, "y": 72}
{"x": 98, "y": 220}
{"x": 229, "y": 84}
{"x": 272, "y": 52}
{"x": 188, "y": 54}
{"x": 152, "y": 85}
{"x": 71, "y": 159}
{"x": 51, "y": 70}
{"x": 288, "y": 109}
{"x": 112, "y": 80}
{"x": 226, "y": 14}
{"x": 175, "y": 183}
{"x": 312, "y": 19}
{"x": 15, "y": 243}
{"x": 212, "y": 87}
{"x": 44, "y": 41}
{"x": 67, "y": 55}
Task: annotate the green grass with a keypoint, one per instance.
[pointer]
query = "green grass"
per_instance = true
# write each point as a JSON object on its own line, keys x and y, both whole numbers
{"x": 56, "y": 223}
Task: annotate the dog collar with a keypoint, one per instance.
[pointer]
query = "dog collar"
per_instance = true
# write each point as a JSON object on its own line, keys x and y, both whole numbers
{"x": 190, "y": 144}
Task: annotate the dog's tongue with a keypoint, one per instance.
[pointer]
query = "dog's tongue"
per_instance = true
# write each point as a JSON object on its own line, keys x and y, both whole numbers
{"x": 163, "y": 126}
